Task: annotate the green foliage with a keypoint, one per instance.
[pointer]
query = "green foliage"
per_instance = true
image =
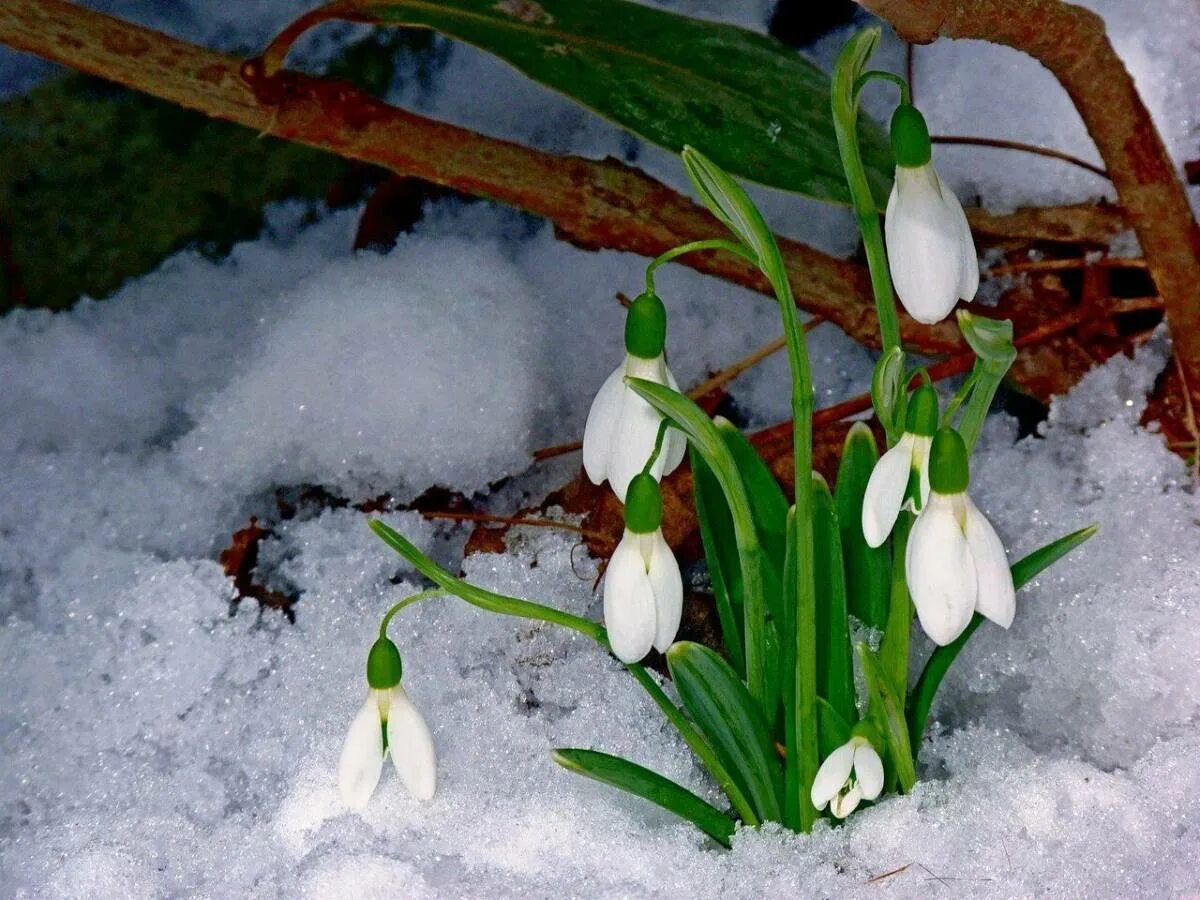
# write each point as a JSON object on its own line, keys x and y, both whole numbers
{"x": 1024, "y": 570}
{"x": 732, "y": 720}
{"x": 754, "y": 105}
{"x": 868, "y": 569}
{"x": 640, "y": 781}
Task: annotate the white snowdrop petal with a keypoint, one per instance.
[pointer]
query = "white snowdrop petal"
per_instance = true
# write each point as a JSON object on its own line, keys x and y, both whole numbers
{"x": 629, "y": 609}
{"x": 885, "y": 491}
{"x": 844, "y": 804}
{"x": 601, "y": 423}
{"x": 996, "y": 598}
{"x": 667, "y": 584}
{"x": 868, "y": 770}
{"x": 675, "y": 444}
{"x": 636, "y": 428}
{"x": 411, "y": 747}
{"x": 633, "y": 442}
{"x": 940, "y": 572}
{"x": 922, "y": 245}
{"x": 361, "y": 761}
{"x": 832, "y": 775}
{"x": 968, "y": 278}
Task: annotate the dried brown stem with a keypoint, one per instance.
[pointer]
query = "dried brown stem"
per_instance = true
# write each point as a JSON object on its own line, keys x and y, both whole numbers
{"x": 1071, "y": 42}
{"x": 1001, "y": 144}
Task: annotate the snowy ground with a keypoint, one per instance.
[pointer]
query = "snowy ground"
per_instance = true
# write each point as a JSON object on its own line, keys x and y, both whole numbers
{"x": 153, "y": 745}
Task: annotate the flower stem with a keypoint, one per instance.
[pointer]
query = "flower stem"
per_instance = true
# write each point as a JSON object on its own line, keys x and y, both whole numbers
{"x": 407, "y": 601}
{"x": 512, "y": 606}
{"x": 847, "y": 82}
{"x": 658, "y": 445}
{"x": 691, "y": 247}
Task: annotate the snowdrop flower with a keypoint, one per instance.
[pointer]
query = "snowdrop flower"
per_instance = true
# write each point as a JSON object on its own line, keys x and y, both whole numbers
{"x": 956, "y": 564}
{"x": 621, "y": 427}
{"x": 892, "y": 476}
{"x": 930, "y": 250}
{"x": 387, "y": 723}
{"x": 850, "y": 774}
{"x": 643, "y": 591}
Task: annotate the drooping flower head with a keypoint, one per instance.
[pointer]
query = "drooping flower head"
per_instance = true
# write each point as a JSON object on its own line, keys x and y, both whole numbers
{"x": 850, "y": 774}
{"x": 386, "y": 723}
{"x": 931, "y": 253}
{"x": 902, "y": 474}
{"x": 621, "y": 427}
{"x": 643, "y": 590}
{"x": 955, "y": 564}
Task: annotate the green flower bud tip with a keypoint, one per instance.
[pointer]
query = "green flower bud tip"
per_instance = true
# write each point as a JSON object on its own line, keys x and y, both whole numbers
{"x": 643, "y": 504}
{"x": 646, "y": 327}
{"x": 384, "y": 667}
{"x": 923, "y": 412}
{"x": 910, "y": 137}
{"x": 948, "y": 469}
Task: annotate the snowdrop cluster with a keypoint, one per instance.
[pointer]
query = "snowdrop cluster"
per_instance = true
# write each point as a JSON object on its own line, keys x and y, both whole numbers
{"x": 898, "y": 535}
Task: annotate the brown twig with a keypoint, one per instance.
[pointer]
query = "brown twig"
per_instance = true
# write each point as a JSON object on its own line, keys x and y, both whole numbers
{"x": 1055, "y": 265}
{"x": 512, "y": 520}
{"x": 1071, "y": 42}
{"x": 1001, "y": 144}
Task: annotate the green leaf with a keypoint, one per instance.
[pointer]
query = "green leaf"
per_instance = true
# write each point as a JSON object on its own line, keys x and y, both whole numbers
{"x": 791, "y": 734}
{"x": 833, "y": 729}
{"x": 732, "y": 721}
{"x": 768, "y": 504}
{"x": 888, "y": 713}
{"x": 709, "y": 443}
{"x": 868, "y": 569}
{"x": 889, "y": 392}
{"x": 720, "y": 553}
{"x": 992, "y": 341}
{"x": 1024, "y": 570}
{"x": 629, "y": 776}
{"x": 757, "y": 107}
{"x": 835, "y": 671}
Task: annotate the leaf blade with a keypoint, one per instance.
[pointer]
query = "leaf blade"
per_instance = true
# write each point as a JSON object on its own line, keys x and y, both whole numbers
{"x": 1024, "y": 570}
{"x": 757, "y": 107}
{"x": 732, "y": 720}
{"x": 649, "y": 785}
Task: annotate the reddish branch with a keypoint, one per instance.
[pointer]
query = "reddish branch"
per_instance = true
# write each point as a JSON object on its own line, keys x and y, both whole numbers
{"x": 1071, "y": 42}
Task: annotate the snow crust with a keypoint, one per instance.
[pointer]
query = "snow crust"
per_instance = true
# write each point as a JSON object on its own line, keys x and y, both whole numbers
{"x": 153, "y": 744}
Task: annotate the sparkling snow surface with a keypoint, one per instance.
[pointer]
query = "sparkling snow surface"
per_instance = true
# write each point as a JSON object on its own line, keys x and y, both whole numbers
{"x": 153, "y": 745}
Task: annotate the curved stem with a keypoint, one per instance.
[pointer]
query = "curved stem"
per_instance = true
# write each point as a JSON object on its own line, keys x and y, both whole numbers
{"x": 846, "y": 80}
{"x": 407, "y": 601}
{"x": 658, "y": 445}
{"x": 691, "y": 247}
{"x": 861, "y": 82}
{"x": 512, "y": 606}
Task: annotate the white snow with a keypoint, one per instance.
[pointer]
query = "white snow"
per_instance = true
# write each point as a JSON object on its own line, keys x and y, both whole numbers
{"x": 152, "y": 744}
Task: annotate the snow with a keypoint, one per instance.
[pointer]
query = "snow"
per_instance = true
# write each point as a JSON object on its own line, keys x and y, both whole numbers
{"x": 155, "y": 744}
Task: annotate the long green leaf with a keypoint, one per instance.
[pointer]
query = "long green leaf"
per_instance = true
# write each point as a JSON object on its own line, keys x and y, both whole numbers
{"x": 835, "y": 670}
{"x": 868, "y": 569}
{"x": 720, "y": 553}
{"x": 755, "y": 106}
{"x": 629, "y": 776}
{"x": 732, "y": 721}
{"x": 1024, "y": 570}
{"x": 706, "y": 438}
{"x": 791, "y": 726}
{"x": 768, "y": 504}
{"x": 888, "y": 712}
